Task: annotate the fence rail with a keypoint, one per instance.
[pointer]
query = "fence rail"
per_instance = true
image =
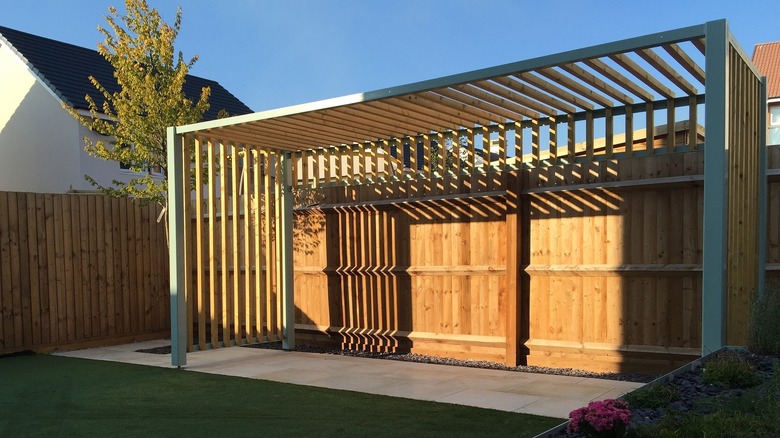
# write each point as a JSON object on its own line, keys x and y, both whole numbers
{"x": 80, "y": 270}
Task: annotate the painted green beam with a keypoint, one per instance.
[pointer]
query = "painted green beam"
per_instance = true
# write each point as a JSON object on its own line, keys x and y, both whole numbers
{"x": 715, "y": 244}
{"x": 622, "y": 46}
{"x": 176, "y": 249}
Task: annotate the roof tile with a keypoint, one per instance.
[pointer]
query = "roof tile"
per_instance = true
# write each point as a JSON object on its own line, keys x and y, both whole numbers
{"x": 67, "y": 67}
{"x": 766, "y": 57}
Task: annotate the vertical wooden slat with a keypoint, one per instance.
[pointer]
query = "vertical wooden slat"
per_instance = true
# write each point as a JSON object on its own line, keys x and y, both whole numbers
{"x": 519, "y": 145}
{"x": 189, "y": 243}
{"x": 267, "y": 217}
{"x": 277, "y": 258}
{"x": 32, "y": 252}
{"x": 413, "y": 165}
{"x": 440, "y": 156}
{"x": 223, "y": 245}
{"x": 248, "y": 301}
{"x": 609, "y": 130}
{"x": 123, "y": 264}
{"x": 43, "y": 271}
{"x": 211, "y": 201}
{"x": 589, "y": 135}
{"x": 571, "y": 137}
{"x": 7, "y": 333}
{"x": 426, "y": 164}
{"x": 110, "y": 290}
{"x": 455, "y": 144}
{"x": 59, "y": 255}
{"x": 629, "y": 148}
{"x": 485, "y": 149}
{"x": 650, "y": 128}
{"x": 553, "y": 141}
{"x": 200, "y": 256}
{"x": 78, "y": 254}
{"x": 535, "y": 145}
{"x": 68, "y": 289}
{"x": 236, "y": 248}
{"x": 670, "y": 134}
{"x": 257, "y": 260}
{"x": 693, "y": 124}
{"x": 471, "y": 162}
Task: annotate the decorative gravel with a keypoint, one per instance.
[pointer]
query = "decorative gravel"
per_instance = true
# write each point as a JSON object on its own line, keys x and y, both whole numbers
{"x": 420, "y": 358}
{"x": 690, "y": 388}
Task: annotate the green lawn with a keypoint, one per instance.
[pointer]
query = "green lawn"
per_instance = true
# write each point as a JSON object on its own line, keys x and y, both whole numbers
{"x": 43, "y": 395}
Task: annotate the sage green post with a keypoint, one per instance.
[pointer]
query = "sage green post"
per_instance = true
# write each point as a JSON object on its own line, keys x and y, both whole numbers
{"x": 713, "y": 306}
{"x": 287, "y": 278}
{"x": 176, "y": 249}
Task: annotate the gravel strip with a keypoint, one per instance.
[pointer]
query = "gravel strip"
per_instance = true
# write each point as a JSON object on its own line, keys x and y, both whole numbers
{"x": 420, "y": 358}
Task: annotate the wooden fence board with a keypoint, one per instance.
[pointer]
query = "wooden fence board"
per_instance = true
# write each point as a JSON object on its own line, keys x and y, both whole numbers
{"x": 55, "y": 293}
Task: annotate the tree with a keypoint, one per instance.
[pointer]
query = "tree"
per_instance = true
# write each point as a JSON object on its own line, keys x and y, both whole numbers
{"x": 150, "y": 76}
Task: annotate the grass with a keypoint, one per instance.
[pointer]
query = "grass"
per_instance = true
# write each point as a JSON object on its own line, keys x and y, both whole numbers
{"x": 730, "y": 371}
{"x": 43, "y": 395}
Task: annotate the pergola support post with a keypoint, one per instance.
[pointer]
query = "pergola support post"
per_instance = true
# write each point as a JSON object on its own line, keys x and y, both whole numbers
{"x": 715, "y": 243}
{"x": 176, "y": 249}
{"x": 286, "y": 228}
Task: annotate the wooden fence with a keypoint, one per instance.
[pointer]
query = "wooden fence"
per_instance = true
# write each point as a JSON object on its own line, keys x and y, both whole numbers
{"x": 80, "y": 270}
{"x": 593, "y": 265}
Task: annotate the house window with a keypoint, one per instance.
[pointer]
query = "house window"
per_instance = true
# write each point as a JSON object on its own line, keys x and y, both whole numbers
{"x": 774, "y": 125}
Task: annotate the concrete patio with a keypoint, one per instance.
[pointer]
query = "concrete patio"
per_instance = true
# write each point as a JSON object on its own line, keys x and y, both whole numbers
{"x": 529, "y": 393}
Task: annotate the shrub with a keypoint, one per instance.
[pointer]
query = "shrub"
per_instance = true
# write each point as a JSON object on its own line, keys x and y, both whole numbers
{"x": 730, "y": 371}
{"x": 606, "y": 418}
{"x": 763, "y": 335}
{"x": 657, "y": 396}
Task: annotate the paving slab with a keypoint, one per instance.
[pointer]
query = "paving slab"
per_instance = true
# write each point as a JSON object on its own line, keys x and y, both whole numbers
{"x": 530, "y": 393}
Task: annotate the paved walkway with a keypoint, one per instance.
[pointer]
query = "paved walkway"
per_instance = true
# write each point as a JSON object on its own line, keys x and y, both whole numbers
{"x": 552, "y": 396}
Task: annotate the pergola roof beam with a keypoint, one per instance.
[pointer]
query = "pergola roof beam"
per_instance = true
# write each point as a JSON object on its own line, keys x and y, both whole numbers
{"x": 472, "y": 116}
{"x": 518, "y": 99}
{"x": 679, "y": 55}
{"x": 617, "y": 77}
{"x": 498, "y": 101}
{"x": 533, "y": 93}
{"x": 666, "y": 70}
{"x": 641, "y": 74}
{"x": 555, "y": 91}
{"x": 597, "y": 83}
{"x": 433, "y": 120}
{"x": 497, "y": 114}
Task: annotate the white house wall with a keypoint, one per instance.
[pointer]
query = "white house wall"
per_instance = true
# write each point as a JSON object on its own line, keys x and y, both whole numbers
{"x": 38, "y": 149}
{"x": 41, "y": 145}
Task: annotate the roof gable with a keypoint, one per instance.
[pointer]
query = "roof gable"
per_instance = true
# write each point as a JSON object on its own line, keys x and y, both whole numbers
{"x": 766, "y": 57}
{"x": 66, "y": 69}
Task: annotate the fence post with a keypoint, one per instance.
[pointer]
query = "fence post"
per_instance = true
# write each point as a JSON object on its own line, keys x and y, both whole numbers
{"x": 286, "y": 216}
{"x": 715, "y": 189}
{"x": 176, "y": 249}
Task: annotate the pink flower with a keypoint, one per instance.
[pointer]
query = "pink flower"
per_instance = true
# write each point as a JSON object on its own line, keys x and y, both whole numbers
{"x": 604, "y": 418}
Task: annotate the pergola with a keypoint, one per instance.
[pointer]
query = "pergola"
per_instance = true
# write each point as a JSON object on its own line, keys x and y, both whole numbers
{"x": 564, "y": 101}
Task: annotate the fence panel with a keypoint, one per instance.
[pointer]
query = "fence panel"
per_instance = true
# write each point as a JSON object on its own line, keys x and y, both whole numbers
{"x": 80, "y": 270}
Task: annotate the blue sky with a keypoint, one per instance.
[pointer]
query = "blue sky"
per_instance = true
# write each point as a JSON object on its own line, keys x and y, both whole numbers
{"x": 278, "y": 53}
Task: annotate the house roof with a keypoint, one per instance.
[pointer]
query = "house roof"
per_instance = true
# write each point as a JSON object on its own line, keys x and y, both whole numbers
{"x": 766, "y": 57}
{"x": 590, "y": 82}
{"x": 66, "y": 69}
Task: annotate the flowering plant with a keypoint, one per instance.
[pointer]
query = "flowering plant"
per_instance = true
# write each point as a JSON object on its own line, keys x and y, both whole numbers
{"x": 606, "y": 418}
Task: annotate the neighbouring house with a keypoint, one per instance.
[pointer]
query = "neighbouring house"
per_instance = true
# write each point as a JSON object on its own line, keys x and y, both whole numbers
{"x": 41, "y": 145}
{"x": 766, "y": 57}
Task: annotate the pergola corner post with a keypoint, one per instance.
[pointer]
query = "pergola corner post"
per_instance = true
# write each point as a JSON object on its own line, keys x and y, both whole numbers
{"x": 715, "y": 243}
{"x": 286, "y": 228}
{"x": 176, "y": 249}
